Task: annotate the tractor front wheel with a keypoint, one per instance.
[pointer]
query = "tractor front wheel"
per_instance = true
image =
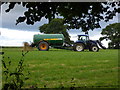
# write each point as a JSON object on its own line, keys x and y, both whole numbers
{"x": 78, "y": 47}
{"x": 94, "y": 49}
{"x": 43, "y": 46}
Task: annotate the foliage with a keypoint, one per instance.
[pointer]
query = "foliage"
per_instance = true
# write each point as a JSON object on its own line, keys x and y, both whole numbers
{"x": 14, "y": 80}
{"x": 56, "y": 26}
{"x": 112, "y": 33}
{"x": 85, "y": 15}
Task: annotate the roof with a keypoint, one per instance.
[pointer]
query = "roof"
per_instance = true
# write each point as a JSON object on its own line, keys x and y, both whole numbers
{"x": 83, "y": 35}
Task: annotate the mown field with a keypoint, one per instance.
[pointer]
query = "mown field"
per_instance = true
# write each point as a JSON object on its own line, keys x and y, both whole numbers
{"x": 57, "y": 68}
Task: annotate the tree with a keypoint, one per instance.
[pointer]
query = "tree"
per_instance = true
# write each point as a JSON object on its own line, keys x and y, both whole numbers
{"x": 56, "y": 26}
{"x": 84, "y": 15}
{"x": 112, "y": 33}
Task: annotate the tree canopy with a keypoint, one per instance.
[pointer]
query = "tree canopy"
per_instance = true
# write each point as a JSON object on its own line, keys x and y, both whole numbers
{"x": 84, "y": 15}
{"x": 56, "y": 26}
{"x": 112, "y": 33}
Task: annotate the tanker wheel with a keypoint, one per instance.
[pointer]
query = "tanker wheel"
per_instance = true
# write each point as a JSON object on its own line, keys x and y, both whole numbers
{"x": 78, "y": 47}
{"x": 94, "y": 48}
{"x": 43, "y": 46}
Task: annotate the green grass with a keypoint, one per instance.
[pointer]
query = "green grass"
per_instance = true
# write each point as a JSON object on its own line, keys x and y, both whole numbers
{"x": 57, "y": 67}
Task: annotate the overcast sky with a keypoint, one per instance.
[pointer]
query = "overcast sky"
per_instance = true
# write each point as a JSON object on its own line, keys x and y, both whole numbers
{"x": 15, "y": 35}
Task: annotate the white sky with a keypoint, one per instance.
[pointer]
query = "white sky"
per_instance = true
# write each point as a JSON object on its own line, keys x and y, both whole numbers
{"x": 15, "y": 37}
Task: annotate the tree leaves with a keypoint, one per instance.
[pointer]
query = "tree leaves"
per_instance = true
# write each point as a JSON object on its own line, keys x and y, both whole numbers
{"x": 20, "y": 19}
{"x": 85, "y": 15}
{"x": 11, "y": 6}
{"x": 56, "y": 26}
{"x": 111, "y": 32}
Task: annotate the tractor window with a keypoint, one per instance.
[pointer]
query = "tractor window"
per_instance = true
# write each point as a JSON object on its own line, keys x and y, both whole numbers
{"x": 87, "y": 38}
{"x": 83, "y": 38}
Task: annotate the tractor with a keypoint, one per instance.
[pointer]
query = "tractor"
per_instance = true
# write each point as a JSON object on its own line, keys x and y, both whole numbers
{"x": 84, "y": 42}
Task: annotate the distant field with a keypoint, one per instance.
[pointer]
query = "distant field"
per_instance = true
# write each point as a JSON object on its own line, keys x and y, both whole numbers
{"x": 56, "y": 68}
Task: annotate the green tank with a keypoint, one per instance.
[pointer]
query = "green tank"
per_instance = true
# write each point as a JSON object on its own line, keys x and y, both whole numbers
{"x": 43, "y": 41}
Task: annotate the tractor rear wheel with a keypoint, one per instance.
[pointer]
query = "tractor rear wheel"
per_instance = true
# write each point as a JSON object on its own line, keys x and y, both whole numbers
{"x": 94, "y": 49}
{"x": 78, "y": 47}
{"x": 43, "y": 46}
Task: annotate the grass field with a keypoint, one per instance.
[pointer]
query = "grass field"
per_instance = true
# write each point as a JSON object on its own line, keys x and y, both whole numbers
{"x": 56, "y": 68}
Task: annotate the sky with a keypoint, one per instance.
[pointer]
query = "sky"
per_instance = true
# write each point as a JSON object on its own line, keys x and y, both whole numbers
{"x": 15, "y": 35}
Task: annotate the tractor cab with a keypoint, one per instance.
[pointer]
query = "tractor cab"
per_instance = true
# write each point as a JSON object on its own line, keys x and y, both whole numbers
{"x": 83, "y": 37}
